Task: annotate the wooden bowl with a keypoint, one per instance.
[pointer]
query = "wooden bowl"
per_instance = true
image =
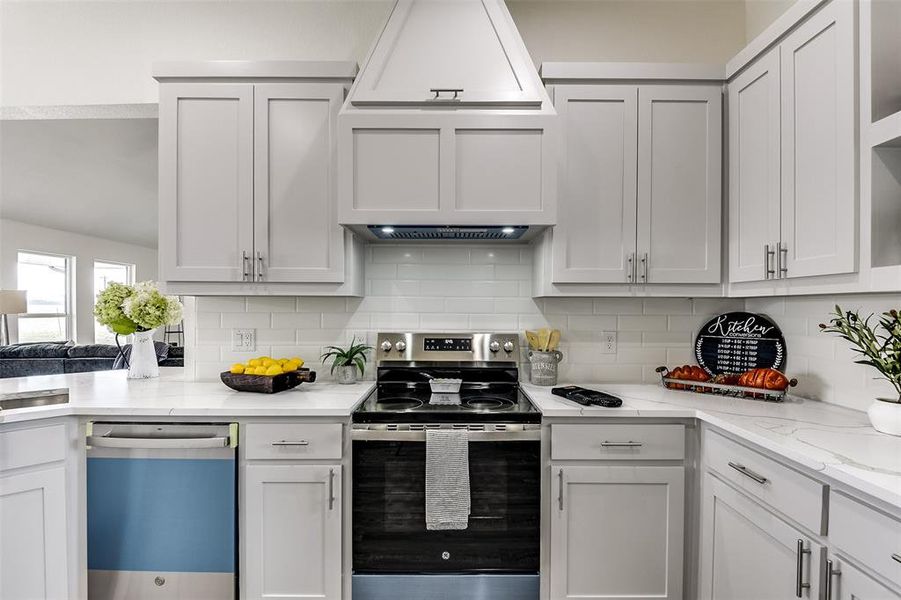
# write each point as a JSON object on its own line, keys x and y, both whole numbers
{"x": 264, "y": 384}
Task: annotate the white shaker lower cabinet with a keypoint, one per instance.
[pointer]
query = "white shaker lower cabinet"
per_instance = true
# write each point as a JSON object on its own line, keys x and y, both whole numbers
{"x": 749, "y": 553}
{"x": 292, "y": 517}
{"x": 848, "y": 583}
{"x": 34, "y": 524}
{"x": 617, "y": 532}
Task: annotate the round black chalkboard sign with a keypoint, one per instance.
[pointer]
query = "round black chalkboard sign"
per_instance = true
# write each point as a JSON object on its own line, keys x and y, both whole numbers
{"x": 740, "y": 341}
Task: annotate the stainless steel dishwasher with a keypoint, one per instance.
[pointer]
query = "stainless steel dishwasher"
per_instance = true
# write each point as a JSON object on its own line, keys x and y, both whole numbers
{"x": 161, "y": 511}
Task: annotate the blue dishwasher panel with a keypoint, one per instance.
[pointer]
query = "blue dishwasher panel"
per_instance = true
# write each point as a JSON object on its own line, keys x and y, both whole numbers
{"x": 158, "y": 514}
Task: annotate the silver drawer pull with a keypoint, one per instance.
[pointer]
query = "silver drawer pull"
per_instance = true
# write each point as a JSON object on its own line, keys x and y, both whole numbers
{"x": 896, "y": 558}
{"x": 800, "y": 586}
{"x": 291, "y": 443}
{"x": 629, "y": 444}
{"x": 438, "y": 91}
{"x": 748, "y": 472}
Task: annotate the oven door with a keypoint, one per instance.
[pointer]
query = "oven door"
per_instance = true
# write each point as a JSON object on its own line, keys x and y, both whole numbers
{"x": 496, "y": 557}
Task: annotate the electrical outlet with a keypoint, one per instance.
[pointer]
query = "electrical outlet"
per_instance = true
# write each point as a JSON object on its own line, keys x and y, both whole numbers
{"x": 608, "y": 345}
{"x": 244, "y": 340}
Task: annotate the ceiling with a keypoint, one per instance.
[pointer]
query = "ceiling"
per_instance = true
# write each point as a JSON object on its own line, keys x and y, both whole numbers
{"x": 91, "y": 176}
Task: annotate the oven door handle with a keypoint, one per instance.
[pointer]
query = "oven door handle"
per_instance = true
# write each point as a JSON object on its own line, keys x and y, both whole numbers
{"x": 528, "y": 435}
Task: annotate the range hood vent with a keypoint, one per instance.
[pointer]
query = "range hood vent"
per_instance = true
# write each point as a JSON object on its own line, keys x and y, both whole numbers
{"x": 418, "y": 233}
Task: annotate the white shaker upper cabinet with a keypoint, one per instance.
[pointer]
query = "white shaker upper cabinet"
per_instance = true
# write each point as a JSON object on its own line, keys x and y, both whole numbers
{"x": 594, "y": 240}
{"x": 754, "y": 183}
{"x": 206, "y": 181}
{"x": 679, "y": 183}
{"x": 296, "y": 233}
{"x": 818, "y": 144}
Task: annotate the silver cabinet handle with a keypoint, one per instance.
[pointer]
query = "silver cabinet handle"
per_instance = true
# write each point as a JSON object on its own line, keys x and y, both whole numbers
{"x": 151, "y": 443}
{"x": 782, "y": 260}
{"x": 896, "y": 558}
{"x": 245, "y": 272}
{"x": 768, "y": 271}
{"x": 629, "y": 444}
{"x": 644, "y": 268}
{"x": 828, "y": 573}
{"x": 331, "y": 489}
{"x": 800, "y": 586}
{"x": 560, "y": 491}
{"x": 748, "y": 472}
{"x": 291, "y": 443}
{"x": 259, "y": 265}
{"x": 438, "y": 91}
{"x": 630, "y": 267}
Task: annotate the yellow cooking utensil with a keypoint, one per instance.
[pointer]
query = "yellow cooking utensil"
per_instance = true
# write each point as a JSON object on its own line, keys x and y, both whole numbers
{"x": 544, "y": 338}
{"x": 554, "y": 340}
{"x": 532, "y": 338}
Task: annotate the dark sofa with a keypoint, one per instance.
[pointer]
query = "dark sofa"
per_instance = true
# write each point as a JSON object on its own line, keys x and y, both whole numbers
{"x": 22, "y": 360}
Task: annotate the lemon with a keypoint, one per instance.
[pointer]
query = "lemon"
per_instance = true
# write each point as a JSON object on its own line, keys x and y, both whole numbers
{"x": 265, "y": 358}
{"x": 290, "y": 366}
{"x": 268, "y": 362}
{"x": 254, "y": 362}
{"x": 298, "y": 362}
{"x": 237, "y": 368}
{"x": 274, "y": 370}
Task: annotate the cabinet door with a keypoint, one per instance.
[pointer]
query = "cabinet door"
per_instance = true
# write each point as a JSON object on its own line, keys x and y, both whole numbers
{"x": 206, "y": 182}
{"x": 754, "y": 183}
{"x": 852, "y": 584}
{"x": 292, "y": 532}
{"x": 679, "y": 183}
{"x": 33, "y": 536}
{"x": 818, "y": 144}
{"x": 594, "y": 240}
{"x": 616, "y": 532}
{"x": 296, "y": 233}
{"x": 748, "y": 553}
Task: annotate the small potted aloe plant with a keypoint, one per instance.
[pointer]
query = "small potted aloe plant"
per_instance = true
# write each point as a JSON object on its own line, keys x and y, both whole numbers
{"x": 880, "y": 348}
{"x": 347, "y": 361}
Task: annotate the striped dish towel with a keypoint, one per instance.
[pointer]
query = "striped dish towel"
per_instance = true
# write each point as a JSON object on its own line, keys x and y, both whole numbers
{"x": 447, "y": 502}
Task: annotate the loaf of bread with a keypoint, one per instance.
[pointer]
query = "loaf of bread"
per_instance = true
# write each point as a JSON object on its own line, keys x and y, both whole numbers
{"x": 688, "y": 373}
{"x": 766, "y": 379}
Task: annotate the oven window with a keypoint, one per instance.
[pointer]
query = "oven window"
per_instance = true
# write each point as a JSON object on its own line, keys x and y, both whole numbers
{"x": 389, "y": 533}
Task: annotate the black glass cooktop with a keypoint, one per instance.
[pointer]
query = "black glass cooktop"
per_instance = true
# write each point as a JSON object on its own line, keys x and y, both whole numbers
{"x": 403, "y": 395}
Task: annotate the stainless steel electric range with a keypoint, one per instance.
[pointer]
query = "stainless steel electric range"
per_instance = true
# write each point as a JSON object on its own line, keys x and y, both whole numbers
{"x": 394, "y": 555}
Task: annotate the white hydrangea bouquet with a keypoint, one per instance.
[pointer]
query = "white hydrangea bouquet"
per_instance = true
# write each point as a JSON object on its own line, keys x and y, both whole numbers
{"x": 137, "y": 309}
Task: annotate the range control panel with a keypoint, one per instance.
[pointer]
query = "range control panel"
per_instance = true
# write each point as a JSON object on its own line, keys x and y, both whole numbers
{"x": 457, "y": 347}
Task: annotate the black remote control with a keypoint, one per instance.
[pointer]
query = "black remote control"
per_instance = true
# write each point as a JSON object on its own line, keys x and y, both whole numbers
{"x": 587, "y": 397}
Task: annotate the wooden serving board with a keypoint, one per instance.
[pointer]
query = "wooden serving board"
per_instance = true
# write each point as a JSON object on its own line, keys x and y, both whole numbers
{"x": 264, "y": 384}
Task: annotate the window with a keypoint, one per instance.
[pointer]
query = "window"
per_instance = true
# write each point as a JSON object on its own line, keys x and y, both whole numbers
{"x": 104, "y": 274}
{"x": 48, "y": 280}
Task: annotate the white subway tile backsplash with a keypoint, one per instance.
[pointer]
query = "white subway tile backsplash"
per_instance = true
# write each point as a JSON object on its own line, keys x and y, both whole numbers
{"x": 488, "y": 288}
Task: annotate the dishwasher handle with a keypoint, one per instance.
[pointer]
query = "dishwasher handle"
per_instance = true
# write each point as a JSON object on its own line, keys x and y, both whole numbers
{"x": 156, "y": 443}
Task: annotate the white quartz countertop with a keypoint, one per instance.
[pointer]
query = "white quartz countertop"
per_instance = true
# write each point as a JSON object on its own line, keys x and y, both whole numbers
{"x": 109, "y": 393}
{"x": 837, "y": 442}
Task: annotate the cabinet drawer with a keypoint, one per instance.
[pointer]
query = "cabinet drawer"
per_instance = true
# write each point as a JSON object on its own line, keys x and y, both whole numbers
{"x": 27, "y": 447}
{"x": 293, "y": 441}
{"x": 868, "y": 535}
{"x": 617, "y": 442}
{"x": 795, "y": 495}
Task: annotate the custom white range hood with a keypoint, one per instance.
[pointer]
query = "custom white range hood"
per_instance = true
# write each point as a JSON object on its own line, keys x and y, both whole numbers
{"x": 447, "y": 124}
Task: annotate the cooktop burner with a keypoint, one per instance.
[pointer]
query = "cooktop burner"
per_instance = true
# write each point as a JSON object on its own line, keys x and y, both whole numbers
{"x": 399, "y": 404}
{"x": 488, "y": 403}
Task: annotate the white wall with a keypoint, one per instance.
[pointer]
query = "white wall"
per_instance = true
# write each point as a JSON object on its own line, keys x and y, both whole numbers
{"x": 453, "y": 288}
{"x": 824, "y": 363}
{"x": 760, "y": 14}
{"x": 15, "y": 236}
{"x": 101, "y": 52}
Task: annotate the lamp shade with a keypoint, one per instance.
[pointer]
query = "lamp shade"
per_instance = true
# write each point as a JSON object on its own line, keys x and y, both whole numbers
{"x": 13, "y": 302}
